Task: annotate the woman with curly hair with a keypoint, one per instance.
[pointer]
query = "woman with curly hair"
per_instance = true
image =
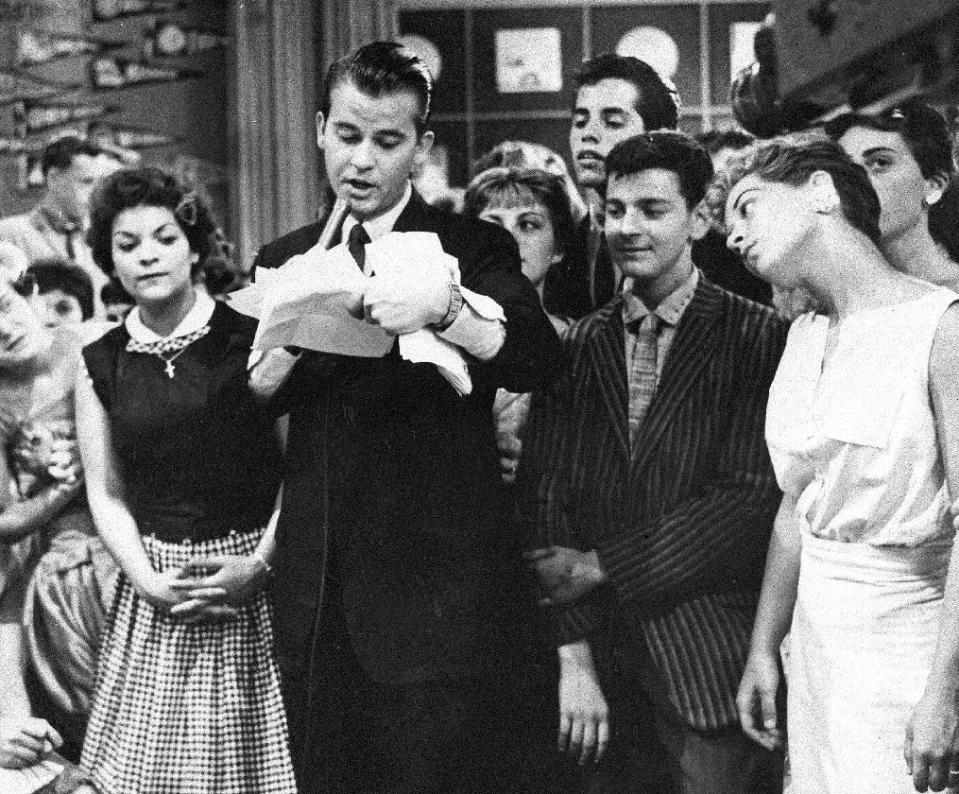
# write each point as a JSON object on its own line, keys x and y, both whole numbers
{"x": 182, "y": 475}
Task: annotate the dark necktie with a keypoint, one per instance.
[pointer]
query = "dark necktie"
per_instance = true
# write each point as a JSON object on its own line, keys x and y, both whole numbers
{"x": 70, "y": 231}
{"x": 70, "y": 247}
{"x": 356, "y": 244}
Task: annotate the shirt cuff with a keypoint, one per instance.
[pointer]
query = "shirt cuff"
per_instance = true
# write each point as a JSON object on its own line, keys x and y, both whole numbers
{"x": 479, "y": 328}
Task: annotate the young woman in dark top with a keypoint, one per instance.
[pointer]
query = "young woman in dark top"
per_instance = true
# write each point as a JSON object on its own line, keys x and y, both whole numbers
{"x": 182, "y": 475}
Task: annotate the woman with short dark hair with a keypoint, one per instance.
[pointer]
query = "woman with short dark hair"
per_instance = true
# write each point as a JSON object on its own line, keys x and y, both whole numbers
{"x": 907, "y": 152}
{"x": 182, "y": 472}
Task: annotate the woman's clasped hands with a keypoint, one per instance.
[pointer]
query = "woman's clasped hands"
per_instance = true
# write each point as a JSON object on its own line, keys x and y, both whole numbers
{"x": 26, "y": 741}
{"x": 207, "y": 589}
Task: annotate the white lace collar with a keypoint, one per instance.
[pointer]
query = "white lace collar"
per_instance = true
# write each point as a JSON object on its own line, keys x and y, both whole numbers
{"x": 198, "y": 316}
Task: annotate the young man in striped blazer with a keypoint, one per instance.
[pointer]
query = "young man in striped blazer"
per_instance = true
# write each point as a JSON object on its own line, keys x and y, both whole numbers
{"x": 652, "y": 493}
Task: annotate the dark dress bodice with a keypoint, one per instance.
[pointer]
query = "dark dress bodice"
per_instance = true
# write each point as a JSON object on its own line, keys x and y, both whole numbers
{"x": 198, "y": 458}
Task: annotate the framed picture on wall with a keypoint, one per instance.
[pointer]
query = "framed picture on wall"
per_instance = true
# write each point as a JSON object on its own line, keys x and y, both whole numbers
{"x": 665, "y": 36}
{"x": 528, "y": 60}
{"x": 438, "y": 38}
{"x": 523, "y": 59}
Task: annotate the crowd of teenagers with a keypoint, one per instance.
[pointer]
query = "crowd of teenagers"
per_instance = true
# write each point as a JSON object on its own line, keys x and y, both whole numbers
{"x": 689, "y": 529}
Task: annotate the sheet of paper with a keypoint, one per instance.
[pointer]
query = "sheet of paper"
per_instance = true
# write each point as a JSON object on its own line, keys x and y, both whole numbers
{"x": 399, "y": 249}
{"x": 426, "y": 346}
{"x": 309, "y": 302}
{"x": 312, "y": 301}
{"x": 483, "y": 305}
{"x": 248, "y": 301}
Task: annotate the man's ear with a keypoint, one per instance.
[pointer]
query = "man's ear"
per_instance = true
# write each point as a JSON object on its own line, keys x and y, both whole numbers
{"x": 422, "y": 151}
{"x": 700, "y": 221}
{"x": 53, "y": 177}
{"x": 320, "y": 134}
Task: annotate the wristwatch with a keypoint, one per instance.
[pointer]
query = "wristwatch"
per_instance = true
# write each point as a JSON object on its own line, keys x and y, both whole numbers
{"x": 456, "y": 305}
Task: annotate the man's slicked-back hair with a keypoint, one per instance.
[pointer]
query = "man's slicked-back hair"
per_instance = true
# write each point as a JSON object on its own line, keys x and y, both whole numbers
{"x": 656, "y": 104}
{"x": 670, "y": 151}
{"x": 383, "y": 67}
{"x": 60, "y": 153}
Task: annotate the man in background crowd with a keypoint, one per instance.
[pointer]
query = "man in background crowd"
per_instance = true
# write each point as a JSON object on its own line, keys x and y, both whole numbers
{"x": 617, "y": 97}
{"x": 54, "y": 228}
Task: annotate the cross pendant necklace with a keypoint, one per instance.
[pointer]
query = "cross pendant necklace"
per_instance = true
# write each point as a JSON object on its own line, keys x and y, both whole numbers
{"x": 169, "y": 361}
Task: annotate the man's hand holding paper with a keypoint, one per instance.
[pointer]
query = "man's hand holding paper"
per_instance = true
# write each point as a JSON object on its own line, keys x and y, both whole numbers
{"x": 407, "y": 295}
{"x": 315, "y": 301}
{"x": 321, "y": 301}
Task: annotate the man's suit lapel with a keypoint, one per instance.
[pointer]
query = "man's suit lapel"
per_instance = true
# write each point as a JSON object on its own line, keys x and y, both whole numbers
{"x": 608, "y": 357}
{"x": 414, "y": 215}
{"x": 690, "y": 351}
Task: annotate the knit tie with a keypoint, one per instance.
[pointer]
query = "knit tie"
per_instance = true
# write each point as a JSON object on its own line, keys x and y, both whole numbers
{"x": 642, "y": 377}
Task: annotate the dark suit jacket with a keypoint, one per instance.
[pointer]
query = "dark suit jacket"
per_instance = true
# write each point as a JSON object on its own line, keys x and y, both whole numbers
{"x": 584, "y": 280}
{"x": 682, "y": 522}
{"x": 392, "y": 483}
{"x": 725, "y": 268}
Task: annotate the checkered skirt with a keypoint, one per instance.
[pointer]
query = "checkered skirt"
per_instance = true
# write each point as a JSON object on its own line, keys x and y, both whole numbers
{"x": 188, "y": 708}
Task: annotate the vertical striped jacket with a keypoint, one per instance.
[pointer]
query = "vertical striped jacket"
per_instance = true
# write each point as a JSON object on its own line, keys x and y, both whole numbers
{"x": 682, "y": 522}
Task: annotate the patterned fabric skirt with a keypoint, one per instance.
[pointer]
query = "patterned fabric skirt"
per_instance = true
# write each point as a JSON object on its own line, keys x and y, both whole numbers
{"x": 188, "y": 708}
{"x": 64, "y": 615}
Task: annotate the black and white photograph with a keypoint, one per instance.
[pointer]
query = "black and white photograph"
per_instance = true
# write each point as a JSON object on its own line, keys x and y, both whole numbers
{"x": 479, "y": 396}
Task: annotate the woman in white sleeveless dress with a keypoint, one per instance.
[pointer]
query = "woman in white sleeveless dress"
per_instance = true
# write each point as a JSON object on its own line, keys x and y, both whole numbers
{"x": 863, "y": 430}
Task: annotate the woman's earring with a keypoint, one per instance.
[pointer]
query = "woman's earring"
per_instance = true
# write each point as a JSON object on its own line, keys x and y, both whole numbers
{"x": 933, "y": 198}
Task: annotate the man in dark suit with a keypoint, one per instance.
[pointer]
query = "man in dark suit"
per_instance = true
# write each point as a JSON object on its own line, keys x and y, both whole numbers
{"x": 651, "y": 489}
{"x": 398, "y": 581}
{"x": 617, "y": 96}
